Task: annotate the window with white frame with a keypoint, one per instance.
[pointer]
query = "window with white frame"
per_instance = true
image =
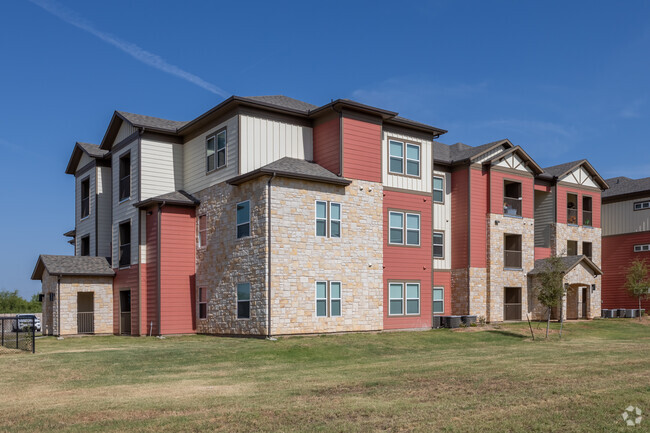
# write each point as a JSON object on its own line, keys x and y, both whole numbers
{"x": 335, "y": 298}
{"x": 203, "y": 231}
{"x": 438, "y": 189}
{"x": 641, "y": 248}
{"x": 396, "y": 157}
{"x": 403, "y": 158}
{"x": 438, "y": 245}
{"x": 401, "y": 295}
{"x": 328, "y": 219}
{"x": 328, "y": 298}
{"x": 215, "y": 150}
{"x": 413, "y": 159}
{"x": 438, "y": 300}
{"x": 243, "y": 301}
{"x": 396, "y": 228}
{"x": 203, "y": 303}
{"x": 642, "y": 205}
{"x": 321, "y": 298}
{"x": 243, "y": 219}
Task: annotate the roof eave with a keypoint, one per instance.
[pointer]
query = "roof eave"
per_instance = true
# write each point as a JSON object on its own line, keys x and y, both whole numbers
{"x": 238, "y": 180}
{"x": 437, "y": 132}
{"x": 150, "y": 201}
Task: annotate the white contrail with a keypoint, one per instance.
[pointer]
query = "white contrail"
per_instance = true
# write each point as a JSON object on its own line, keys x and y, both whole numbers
{"x": 133, "y": 50}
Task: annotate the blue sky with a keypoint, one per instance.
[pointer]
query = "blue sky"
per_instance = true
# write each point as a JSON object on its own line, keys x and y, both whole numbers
{"x": 565, "y": 80}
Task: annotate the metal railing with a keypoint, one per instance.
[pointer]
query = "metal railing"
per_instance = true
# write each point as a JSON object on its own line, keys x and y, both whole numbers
{"x": 587, "y": 216}
{"x": 572, "y": 216}
{"x": 512, "y": 206}
{"x": 125, "y": 323}
{"x": 512, "y": 259}
{"x": 86, "y": 323}
{"x": 17, "y": 334}
{"x": 512, "y": 311}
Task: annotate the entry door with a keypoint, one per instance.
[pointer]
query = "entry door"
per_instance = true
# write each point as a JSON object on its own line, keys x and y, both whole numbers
{"x": 512, "y": 304}
{"x": 584, "y": 302}
{"x": 125, "y": 312}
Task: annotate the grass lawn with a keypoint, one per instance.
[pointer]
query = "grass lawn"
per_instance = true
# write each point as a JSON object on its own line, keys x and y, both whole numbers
{"x": 493, "y": 380}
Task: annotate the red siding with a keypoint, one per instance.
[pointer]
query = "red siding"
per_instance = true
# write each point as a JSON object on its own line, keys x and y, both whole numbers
{"x": 497, "y": 179}
{"x": 562, "y": 192}
{"x": 327, "y": 145}
{"x": 443, "y": 279}
{"x": 618, "y": 254}
{"x": 478, "y": 214}
{"x": 150, "y": 289}
{"x": 177, "y": 270}
{"x": 126, "y": 279}
{"x": 361, "y": 150}
{"x": 459, "y": 209}
{"x": 409, "y": 263}
{"x": 542, "y": 253}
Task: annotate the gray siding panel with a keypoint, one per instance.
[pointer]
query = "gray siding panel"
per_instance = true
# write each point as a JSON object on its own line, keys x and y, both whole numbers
{"x": 125, "y": 211}
{"x": 162, "y": 168}
{"x": 87, "y": 225}
{"x": 544, "y": 217}
{"x": 620, "y": 218}
{"x": 104, "y": 211}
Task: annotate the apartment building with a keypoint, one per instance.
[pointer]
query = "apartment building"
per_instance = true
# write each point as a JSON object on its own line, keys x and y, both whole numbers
{"x": 626, "y": 237}
{"x": 271, "y": 216}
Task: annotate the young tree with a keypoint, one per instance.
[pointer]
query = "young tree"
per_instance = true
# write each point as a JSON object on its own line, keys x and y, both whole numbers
{"x": 550, "y": 289}
{"x": 637, "y": 283}
{"x": 11, "y": 302}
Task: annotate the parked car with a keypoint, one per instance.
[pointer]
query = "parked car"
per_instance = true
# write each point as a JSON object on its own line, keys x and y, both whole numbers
{"x": 25, "y": 321}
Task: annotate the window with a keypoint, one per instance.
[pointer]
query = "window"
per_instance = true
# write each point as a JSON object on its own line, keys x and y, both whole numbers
{"x": 323, "y": 216}
{"x": 511, "y": 198}
{"x": 398, "y": 163}
{"x": 51, "y": 297}
{"x": 125, "y": 177}
{"x": 215, "y": 150}
{"x": 124, "y": 240}
{"x": 203, "y": 231}
{"x": 438, "y": 245}
{"x": 243, "y": 301}
{"x": 642, "y": 205}
{"x": 438, "y": 300}
{"x": 243, "y": 219}
{"x": 398, "y": 297}
{"x": 587, "y": 211}
{"x": 512, "y": 251}
{"x": 85, "y": 246}
{"x": 587, "y": 250}
{"x": 641, "y": 248}
{"x": 438, "y": 189}
{"x": 396, "y": 228}
{"x": 203, "y": 303}
{"x": 572, "y": 209}
{"x": 571, "y": 248}
{"x": 335, "y": 220}
{"x": 328, "y": 305}
{"x": 85, "y": 198}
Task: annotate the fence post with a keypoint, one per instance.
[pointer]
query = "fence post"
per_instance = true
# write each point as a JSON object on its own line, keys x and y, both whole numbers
{"x": 34, "y": 334}
{"x": 17, "y": 333}
{"x": 3, "y": 331}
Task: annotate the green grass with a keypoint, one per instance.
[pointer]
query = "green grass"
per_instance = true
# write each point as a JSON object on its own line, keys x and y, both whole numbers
{"x": 494, "y": 380}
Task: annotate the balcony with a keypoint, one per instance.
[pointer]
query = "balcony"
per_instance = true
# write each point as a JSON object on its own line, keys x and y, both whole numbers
{"x": 512, "y": 206}
{"x": 572, "y": 216}
{"x": 587, "y": 216}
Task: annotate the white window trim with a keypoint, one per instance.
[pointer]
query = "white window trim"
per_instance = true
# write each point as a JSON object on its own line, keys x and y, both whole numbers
{"x": 250, "y": 289}
{"x": 250, "y": 226}
{"x": 403, "y": 157}
{"x": 441, "y": 190}
{"x": 329, "y": 225}
{"x": 215, "y": 135}
{"x": 317, "y": 218}
{"x": 433, "y": 300}
{"x": 406, "y": 159}
{"x": 406, "y": 299}
{"x": 406, "y": 229}
{"x": 198, "y": 228}
{"x": 198, "y": 312}
{"x": 394, "y": 283}
{"x": 642, "y": 205}
{"x": 340, "y": 298}
{"x": 327, "y": 306}
{"x": 392, "y": 227}
{"x": 433, "y": 239}
{"x": 642, "y": 248}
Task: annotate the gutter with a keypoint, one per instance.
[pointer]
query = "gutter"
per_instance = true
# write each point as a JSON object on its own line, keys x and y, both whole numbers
{"x": 58, "y": 300}
{"x": 268, "y": 234}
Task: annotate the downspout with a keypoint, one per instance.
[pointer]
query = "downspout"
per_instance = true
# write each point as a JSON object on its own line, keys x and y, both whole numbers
{"x": 469, "y": 232}
{"x": 160, "y": 206}
{"x": 433, "y": 169}
{"x": 58, "y": 300}
{"x": 268, "y": 234}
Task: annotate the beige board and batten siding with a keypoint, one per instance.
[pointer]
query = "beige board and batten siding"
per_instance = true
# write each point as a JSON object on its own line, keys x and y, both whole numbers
{"x": 442, "y": 221}
{"x": 264, "y": 141}
{"x": 104, "y": 210}
{"x": 489, "y": 155}
{"x": 620, "y": 217}
{"x": 85, "y": 226}
{"x": 162, "y": 168}
{"x": 123, "y": 211}
{"x": 412, "y": 183}
{"x": 544, "y": 217}
{"x": 194, "y": 158}
{"x": 513, "y": 162}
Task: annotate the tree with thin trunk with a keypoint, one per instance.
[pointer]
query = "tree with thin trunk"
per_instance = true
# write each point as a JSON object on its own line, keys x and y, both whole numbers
{"x": 637, "y": 282}
{"x": 550, "y": 289}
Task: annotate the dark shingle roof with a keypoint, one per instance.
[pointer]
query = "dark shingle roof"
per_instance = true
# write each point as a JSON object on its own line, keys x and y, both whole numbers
{"x": 441, "y": 152}
{"x": 624, "y": 185}
{"x": 560, "y": 169}
{"x": 92, "y": 150}
{"x": 178, "y": 198}
{"x": 461, "y": 151}
{"x": 569, "y": 263}
{"x": 72, "y": 265}
{"x": 283, "y": 102}
{"x": 293, "y": 168}
{"x": 140, "y": 120}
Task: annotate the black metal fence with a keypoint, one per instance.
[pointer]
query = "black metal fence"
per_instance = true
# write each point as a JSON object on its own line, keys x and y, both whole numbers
{"x": 17, "y": 334}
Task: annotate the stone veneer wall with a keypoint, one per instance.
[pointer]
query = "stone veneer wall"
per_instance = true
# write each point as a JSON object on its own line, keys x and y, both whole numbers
{"x": 50, "y": 315}
{"x": 459, "y": 292}
{"x": 300, "y": 258}
{"x": 478, "y": 295}
{"x": 227, "y": 261}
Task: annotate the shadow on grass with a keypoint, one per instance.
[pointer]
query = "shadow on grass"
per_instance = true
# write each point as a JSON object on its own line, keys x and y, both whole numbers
{"x": 507, "y": 333}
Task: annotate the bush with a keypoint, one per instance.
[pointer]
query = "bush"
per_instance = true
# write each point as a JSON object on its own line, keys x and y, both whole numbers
{"x": 11, "y": 302}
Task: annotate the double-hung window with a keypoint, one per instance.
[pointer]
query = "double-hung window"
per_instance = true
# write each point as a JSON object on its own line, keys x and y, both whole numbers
{"x": 642, "y": 205}
{"x": 438, "y": 189}
{"x": 401, "y": 294}
{"x": 85, "y": 198}
{"x": 215, "y": 150}
{"x": 328, "y": 219}
{"x": 438, "y": 245}
{"x": 328, "y": 298}
{"x": 398, "y": 234}
{"x": 243, "y": 219}
{"x": 125, "y": 177}
{"x": 203, "y": 231}
{"x": 124, "y": 239}
{"x": 641, "y": 248}
{"x": 438, "y": 300}
{"x": 403, "y": 158}
{"x": 203, "y": 303}
{"x": 243, "y": 301}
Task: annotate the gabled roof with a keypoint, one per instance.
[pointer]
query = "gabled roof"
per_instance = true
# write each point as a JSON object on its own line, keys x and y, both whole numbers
{"x": 72, "y": 233}
{"x": 522, "y": 153}
{"x": 623, "y": 186}
{"x": 148, "y": 122}
{"x": 72, "y": 265}
{"x": 176, "y": 198}
{"x": 92, "y": 150}
{"x": 569, "y": 263}
{"x": 295, "y": 169}
{"x": 461, "y": 152}
{"x": 561, "y": 170}
{"x": 282, "y": 102}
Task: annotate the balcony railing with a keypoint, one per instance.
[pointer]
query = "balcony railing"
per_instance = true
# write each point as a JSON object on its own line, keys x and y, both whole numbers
{"x": 572, "y": 216}
{"x": 587, "y": 216}
{"x": 512, "y": 311}
{"x": 86, "y": 323}
{"x": 512, "y": 259}
{"x": 512, "y": 206}
{"x": 125, "y": 323}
